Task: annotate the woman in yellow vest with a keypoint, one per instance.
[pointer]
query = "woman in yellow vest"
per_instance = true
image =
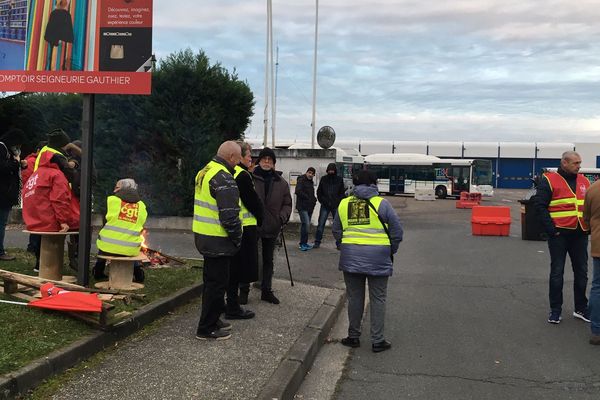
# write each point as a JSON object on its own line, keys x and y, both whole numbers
{"x": 122, "y": 234}
{"x": 368, "y": 233}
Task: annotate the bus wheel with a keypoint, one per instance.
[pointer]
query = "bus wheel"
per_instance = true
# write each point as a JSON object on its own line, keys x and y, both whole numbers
{"x": 441, "y": 192}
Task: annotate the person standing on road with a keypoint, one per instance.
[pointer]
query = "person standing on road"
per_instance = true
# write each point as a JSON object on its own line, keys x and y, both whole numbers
{"x": 330, "y": 192}
{"x": 218, "y": 235}
{"x": 244, "y": 266}
{"x": 305, "y": 204}
{"x": 591, "y": 216}
{"x": 559, "y": 203}
{"x": 10, "y": 179}
{"x": 275, "y": 195}
{"x": 369, "y": 232}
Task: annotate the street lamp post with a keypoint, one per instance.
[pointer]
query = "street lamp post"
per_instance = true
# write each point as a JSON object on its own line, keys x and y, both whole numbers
{"x": 314, "y": 102}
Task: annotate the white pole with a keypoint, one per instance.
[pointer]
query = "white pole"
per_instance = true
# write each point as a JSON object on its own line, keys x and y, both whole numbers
{"x": 272, "y": 81}
{"x": 266, "y": 116}
{"x": 274, "y": 102}
{"x": 314, "y": 105}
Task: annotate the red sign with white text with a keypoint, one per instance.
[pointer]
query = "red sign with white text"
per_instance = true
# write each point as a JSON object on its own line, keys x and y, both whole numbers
{"x": 78, "y": 46}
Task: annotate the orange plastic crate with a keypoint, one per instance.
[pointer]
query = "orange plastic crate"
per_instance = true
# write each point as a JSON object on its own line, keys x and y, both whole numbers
{"x": 490, "y": 221}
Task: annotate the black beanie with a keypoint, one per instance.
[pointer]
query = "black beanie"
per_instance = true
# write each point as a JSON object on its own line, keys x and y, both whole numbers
{"x": 331, "y": 167}
{"x": 364, "y": 177}
{"x": 57, "y": 139}
{"x": 267, "y": 152}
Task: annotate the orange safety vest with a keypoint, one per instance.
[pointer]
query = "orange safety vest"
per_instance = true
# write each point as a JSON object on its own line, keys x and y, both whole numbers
{"x": 566, "y": 207}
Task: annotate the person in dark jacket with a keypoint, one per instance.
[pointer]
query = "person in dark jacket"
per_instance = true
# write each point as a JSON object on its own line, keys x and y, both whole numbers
{"x": 34, "y": 240}
{"x": 10, "y": 179}
{"x": 274, "y": 193}
{"x": 244, "y": 266}
{"x": 305, "y": 204}
{"x": 218, "y": 235}
{"x": 558, "y": 201}
{"x": 366, "y": 254}
{"x": 330, "y": 192}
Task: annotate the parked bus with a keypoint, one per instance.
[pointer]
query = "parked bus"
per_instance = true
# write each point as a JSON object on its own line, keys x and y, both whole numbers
{"x": 348, "y": 163}
{"x": 404, "y": 173}
{"x": 593, "y": 174}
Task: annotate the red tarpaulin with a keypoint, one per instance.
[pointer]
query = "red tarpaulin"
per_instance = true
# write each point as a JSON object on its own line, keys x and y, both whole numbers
{"x": 58, "y": 299}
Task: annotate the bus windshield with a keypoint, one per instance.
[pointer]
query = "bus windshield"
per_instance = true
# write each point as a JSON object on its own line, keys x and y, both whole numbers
{"x": 482, "y": 172}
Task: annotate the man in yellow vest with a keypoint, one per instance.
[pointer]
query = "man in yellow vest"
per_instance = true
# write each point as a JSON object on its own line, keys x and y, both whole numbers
{"x": 122, "y": 233}
{"x": 218, "y": 235}
{"x": 368, "y": 233}
{"x": 559, "y": 204}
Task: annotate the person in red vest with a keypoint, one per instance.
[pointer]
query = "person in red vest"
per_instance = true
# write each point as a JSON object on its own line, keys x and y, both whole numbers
{"x": 559, "y": 204}
{"x": 34, "y": 240}
{"x": 48, "y": 202}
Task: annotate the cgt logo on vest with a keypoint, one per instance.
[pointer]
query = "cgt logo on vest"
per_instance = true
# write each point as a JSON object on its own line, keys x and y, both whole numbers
{"x": 582, "y": 188}
{"x": 129, "y": 212}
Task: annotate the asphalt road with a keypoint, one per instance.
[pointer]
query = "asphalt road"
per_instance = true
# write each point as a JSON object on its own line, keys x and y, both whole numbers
{"x": 467, "y": 318}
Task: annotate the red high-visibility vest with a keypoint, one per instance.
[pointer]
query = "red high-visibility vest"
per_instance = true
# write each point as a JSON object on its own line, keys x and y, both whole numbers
{"x": 566, "y": 207}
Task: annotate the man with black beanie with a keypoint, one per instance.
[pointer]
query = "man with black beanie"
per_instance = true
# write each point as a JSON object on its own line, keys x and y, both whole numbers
{"x": 274, "y": 192}
{"x": 330, "y": 192}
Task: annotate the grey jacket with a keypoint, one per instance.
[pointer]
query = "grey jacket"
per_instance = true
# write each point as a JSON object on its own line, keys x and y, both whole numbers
{"x": 366, "y": 259}
{"x": 225, "y": 191}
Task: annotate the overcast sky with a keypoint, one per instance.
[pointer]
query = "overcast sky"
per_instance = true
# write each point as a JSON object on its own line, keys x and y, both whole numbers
{"x": 473, "y": 70}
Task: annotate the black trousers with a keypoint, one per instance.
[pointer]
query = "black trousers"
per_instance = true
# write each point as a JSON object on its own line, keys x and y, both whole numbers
{"x": 575, "y": 245}
{"x": 215, "y": 277}
{"x": 268, "y": 248}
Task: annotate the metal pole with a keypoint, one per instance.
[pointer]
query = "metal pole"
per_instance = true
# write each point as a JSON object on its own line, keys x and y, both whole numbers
{"x": 85, "y": 208}
{"x": 274, "y": 99}
{"x": 266, "y": 116}
{"x": 314, "y": 105}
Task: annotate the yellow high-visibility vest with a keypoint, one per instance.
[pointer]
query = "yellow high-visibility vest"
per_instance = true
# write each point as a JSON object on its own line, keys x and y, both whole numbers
{"x": 124, "y": 224}
{"x": 42, "y": 151}
{"x": 245, "y": 215}
{"x": 360, "y": 223}
{"x": 206, "y": 212}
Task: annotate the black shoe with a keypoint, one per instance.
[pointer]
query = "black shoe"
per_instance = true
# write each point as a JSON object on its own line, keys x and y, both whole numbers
{"x": 268, "y": 296}
{"x": 350, "y": 342}
{"x": 381, "y": 346}
{"x": 219, "y": 334}
{"x": 243, "y": 297}
{"x": 241, "y": 314}
{"x": 222, "y": 325}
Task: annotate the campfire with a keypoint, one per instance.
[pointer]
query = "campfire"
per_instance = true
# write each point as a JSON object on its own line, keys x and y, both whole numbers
{"x": 156, "y": 258}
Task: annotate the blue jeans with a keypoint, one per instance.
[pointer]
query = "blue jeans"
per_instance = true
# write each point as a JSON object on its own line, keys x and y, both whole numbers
{"x": 323, "y": 214}
{"x": 595, "y": 298}
{"x": 305, "y": 217}
{"x": 3, "y": 220}
{"x": 576, "y": 247}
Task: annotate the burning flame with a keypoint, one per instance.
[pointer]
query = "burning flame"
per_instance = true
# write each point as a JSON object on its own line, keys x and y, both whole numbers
{"x": 144, "y": 244}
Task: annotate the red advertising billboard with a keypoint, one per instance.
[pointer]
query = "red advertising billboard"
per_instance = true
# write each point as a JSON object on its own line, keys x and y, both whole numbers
{"x": 76, "y": 46}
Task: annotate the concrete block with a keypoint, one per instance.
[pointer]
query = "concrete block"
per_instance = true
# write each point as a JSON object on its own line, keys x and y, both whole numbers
{"x": 305, "y": 349}
{"x": 425, "y": 194}
{"x": 284, "y": 382}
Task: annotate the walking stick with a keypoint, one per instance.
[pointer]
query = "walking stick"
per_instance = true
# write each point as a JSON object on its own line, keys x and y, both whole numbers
{"x": 286, "y": 256}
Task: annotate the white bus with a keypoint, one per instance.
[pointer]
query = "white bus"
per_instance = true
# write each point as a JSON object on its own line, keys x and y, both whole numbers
{"x": 593, "y": 174}
{"x": 404, "y": 173}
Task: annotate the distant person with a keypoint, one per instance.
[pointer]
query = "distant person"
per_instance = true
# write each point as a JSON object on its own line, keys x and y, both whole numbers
{"x": 274, "y": 192}
{"x": 59, "y": 145}
{"x": 10, "y": 179}
{"x": 591, "y": 216}
{"x": 122, "y": 233}
{"x": 244, "y": 266}
{"x": 330, "y": 192}
{"x": 305, "y": 204}
{"x": 218, "y": 235}
{"x": 559, "y": 204}
{"x": 369, "y": 232}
